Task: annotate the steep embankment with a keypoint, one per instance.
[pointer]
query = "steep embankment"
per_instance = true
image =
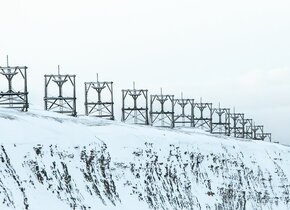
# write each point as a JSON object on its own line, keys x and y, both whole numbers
{"x": 49, "y": 161}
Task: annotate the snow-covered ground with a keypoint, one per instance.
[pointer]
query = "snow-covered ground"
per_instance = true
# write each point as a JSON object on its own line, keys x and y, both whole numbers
{"x": 51, "y": 161}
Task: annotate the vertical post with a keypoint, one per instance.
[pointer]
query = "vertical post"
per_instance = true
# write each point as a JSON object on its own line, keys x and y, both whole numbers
{"x": 192, "y": 114}
{"x": 151, "y": 110}
{"x": 112, "y": 101}
{"x": 123, "y": 106}
{"x": 146, "y": 113}
{"x": 86, "y": 100}
{"x": 25, "y": 89}
{"x": 210, "y": 122}
{"x": 45, "y": 93}
{"x": 172, "y": 113}
{"x": 243, "y": 126}
{"x": 74, "y": 101}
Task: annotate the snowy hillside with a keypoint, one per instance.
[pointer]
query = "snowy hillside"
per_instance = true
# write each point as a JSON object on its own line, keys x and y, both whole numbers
{"x": 50, "y": 161}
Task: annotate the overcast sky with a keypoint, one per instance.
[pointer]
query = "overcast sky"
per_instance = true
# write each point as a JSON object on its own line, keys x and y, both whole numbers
{"x": 233, "y": 52}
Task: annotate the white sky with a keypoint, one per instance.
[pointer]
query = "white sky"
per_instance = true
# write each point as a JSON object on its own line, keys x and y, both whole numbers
{"x": 233, "y": 52}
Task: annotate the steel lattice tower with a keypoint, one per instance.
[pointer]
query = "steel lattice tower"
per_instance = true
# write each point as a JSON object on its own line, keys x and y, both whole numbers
{"x": 138, "y": 114}
{"x": 100, "y": 107}
{"x": 267, "y": 136}
{"x": 203, "y": 115}
{"x": 248, "y": 128}
{"x": 259, "y": 134}
{"x": 183, "y": 112}
{"x": 61, "y": 104}
{"x": 237, "y": 124}
{"x": 162, "y": 116}
{"x": 221, "y": 121}
{"x": 11, "y": 98}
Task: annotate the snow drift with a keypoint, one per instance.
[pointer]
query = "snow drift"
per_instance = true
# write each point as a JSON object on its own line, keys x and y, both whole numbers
{"x": 50, "y": 161}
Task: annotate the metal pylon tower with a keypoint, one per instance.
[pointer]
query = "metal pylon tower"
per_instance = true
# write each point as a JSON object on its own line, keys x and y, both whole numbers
{"x": 11, "y": 98}
{"x": 99, "y": 101}
{"x": 183, "y": 112}
{"x": 267, "y": 136}
{"x": 248, "y": 128}
{"x": 221, "y": 121}
{"x": 162, "y": 110}
{"x": 132, "y": 112}
{"x": 258, "y": 133}
{"x": 237, "y": 124}
{"x": 61, "y": 103}
{"x": 203, "y": 115}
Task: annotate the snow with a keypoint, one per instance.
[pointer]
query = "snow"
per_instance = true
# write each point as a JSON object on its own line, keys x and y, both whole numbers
{"x": 22, "y": 132}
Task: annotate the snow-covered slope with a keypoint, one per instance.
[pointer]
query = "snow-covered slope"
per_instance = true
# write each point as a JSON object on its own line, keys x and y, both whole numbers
{"x": 50, "y": 161}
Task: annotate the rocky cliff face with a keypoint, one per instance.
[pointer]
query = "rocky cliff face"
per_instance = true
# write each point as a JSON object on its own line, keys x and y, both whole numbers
{"x": 107, "y": 165}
